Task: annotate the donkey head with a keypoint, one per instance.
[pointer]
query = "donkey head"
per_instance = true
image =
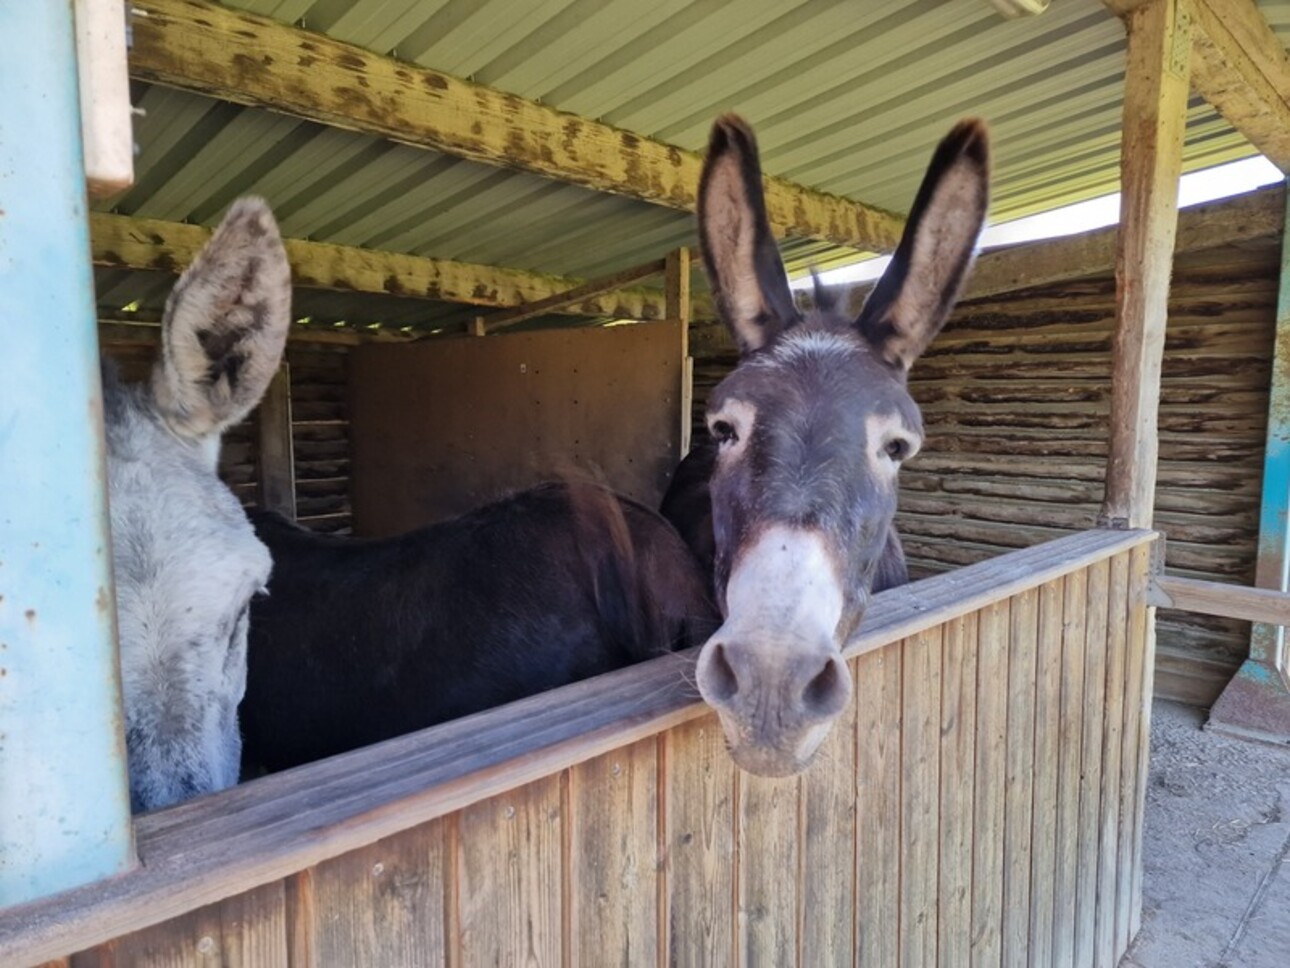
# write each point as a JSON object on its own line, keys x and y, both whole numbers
{"x": 811, "y": 429}
{"x": 186, "y": 560}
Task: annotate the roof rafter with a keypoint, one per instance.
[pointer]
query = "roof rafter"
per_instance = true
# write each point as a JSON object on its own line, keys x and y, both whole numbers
{"x": 1240, "y": 67}
{"x": 201, "y": 46}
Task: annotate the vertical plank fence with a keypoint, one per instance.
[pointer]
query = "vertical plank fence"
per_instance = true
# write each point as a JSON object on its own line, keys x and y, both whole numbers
{"x": 979, "y": 804}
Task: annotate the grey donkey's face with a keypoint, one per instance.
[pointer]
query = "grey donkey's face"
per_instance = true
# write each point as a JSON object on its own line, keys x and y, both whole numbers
{"x": 186, "y": 559}
{"x": 811, "y": 429}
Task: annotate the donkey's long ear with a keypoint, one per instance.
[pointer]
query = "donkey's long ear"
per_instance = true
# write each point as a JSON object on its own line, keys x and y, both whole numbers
{"x": 739, "y": 252}
{"x": 225, "y": 325}
{"x": 914, "y": 297}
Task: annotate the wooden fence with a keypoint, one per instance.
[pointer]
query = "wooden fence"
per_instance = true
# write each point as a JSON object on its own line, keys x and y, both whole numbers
{"x": 979, "y": 804}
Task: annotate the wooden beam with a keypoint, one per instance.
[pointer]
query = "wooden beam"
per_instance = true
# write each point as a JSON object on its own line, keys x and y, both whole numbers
{"x": 1219, "y": 598}
{"x": 560, "y": 301}
{"x": 277, "y": 450}
{"x": 248, "y": 59}
{"x": 142, "y": 333}
{"x": 120, "y": 242}
{"x": 1255, "y": 215}
{"x": 1155, "y": 116}
{"x": 1240, "y": 67}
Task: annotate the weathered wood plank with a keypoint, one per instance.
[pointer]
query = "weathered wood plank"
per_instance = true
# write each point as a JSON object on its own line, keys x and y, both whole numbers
{"x": 1019, "y": 794}
{"x": 1090, "y": 776}
{"x": 276, "y": 453}
{"x": 200, "y": 46}
{"x": 614, "y": 865}
{"x": 1219, "y": 598}
{"x": 700, "y": 815}
{"x": 920, "y": 790}
{"x": 383, "y": 904}
{"x": 1069, "y": 759}
{"x": 1107, "y": 943}
{"x": 1155, "y": 117}
{"x": 1143, "y": 617}
{"x": 1130, "y": 739}
{"x": 878, "y": 789}
{"x": 768, "y": 881}
{"x": 1047, "y": 726}
{"x": 827, "y": 895}
{"x": 509, "y": 876}
{"x": 1240, "y": 67}
{"x": 990, "y": 783}
{"x": 245, "y": 931}
{"x": 958, "y": 755}
{"x": 126, "y": 242}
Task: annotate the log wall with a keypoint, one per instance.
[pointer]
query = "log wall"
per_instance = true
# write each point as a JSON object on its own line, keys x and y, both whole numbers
{"x": 1015, "y": 395}
{"x": 979, "y": 803}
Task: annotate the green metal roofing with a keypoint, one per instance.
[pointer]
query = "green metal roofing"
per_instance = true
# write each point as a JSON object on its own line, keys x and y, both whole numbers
{"x": 846, "y": 97}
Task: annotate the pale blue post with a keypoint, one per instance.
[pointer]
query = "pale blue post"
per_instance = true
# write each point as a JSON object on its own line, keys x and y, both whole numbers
{"x": 1256, "y": 703}
{"x": 64, "y": 800}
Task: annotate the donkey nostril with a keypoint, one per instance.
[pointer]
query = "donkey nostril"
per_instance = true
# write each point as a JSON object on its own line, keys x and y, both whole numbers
{"x": 827, "y": 693}
{"x": 719, "y": 681}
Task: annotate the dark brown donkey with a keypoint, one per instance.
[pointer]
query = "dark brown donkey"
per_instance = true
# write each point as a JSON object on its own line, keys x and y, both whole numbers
{"x": 810, "y": 430}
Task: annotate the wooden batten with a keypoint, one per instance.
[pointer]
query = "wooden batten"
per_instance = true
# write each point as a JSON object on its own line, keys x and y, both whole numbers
{"x": 1155, "y": 116}
{"x": 676, "y": 287}
{"x": 277, "y": 453}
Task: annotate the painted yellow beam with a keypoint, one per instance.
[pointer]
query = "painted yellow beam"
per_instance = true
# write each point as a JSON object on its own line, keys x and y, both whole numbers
{"x": 121, "y": 242}
{"x": 248, "y": 59}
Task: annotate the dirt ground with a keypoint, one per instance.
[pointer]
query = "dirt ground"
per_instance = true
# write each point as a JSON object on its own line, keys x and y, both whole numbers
{"x": 1216, "y": 851}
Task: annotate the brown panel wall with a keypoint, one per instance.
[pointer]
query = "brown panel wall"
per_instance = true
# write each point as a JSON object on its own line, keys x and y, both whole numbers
{"x": 442, "y": 427}
{"x": 1015, "y": 395}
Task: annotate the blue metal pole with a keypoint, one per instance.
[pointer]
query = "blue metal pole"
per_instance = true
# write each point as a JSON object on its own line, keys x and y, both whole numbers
{"x": 64, "y": 800}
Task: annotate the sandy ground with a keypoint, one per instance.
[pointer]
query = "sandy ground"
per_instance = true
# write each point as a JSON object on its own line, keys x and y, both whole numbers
{"x": 1216, "y": 885}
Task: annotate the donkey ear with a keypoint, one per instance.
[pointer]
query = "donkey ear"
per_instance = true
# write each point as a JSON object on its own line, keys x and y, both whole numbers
{"x": 912, "y": 300}
{"x": 739, "y": 252}
{"x": 225, "y": 325}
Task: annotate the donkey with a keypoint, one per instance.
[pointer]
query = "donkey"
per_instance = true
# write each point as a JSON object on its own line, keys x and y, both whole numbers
{"x": 362, "y": 640}
{"x": 810, "y": 430}
{"x": 185, "y": 558}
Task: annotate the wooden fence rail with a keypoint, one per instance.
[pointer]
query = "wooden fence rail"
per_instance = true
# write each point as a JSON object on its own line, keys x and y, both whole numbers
{"x": 980, "y": 803}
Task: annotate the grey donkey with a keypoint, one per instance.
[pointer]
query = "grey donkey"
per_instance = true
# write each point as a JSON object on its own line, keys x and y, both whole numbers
{"x": 186, "y": 559}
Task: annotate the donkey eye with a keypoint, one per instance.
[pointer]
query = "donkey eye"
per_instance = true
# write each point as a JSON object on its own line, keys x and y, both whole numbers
{"x": 897, "y": 449}
{"x": 724, "y": 432}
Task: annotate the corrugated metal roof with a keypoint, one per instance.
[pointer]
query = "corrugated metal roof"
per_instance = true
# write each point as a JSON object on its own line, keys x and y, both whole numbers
{"x": 847, "y": 97}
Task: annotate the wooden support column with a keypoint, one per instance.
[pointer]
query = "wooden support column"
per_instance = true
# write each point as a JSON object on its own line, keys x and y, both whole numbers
{"x": 1155, "y": 114}
{"x": 277, "y": 452}
{"x": 1256, "y": 703}
{"x": 677, "y": 299}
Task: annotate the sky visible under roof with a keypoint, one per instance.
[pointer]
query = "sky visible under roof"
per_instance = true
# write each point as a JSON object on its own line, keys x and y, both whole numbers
{"x": 1221, "y": 181}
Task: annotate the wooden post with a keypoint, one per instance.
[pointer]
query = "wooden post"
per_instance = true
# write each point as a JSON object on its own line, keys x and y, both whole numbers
{"x": 477, "y": 327}
{"x": 277, "y": 452}
{"x": 1155, "y": 114}
{"x": 676, "y": 284}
